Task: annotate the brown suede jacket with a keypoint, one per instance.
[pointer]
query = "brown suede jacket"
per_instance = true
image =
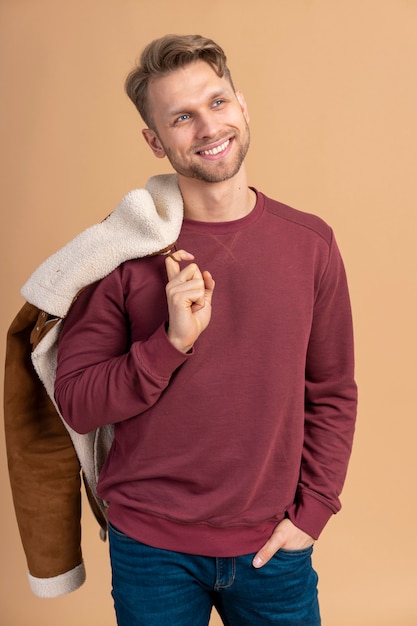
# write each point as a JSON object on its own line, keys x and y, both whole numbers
{"x": 46, "y": 458}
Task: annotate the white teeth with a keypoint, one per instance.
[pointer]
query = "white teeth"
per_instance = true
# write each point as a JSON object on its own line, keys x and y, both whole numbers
{"x": 216, "y": 150}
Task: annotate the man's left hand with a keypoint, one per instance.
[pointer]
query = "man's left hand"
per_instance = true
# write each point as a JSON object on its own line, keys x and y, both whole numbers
{"x": 286, "y": 535}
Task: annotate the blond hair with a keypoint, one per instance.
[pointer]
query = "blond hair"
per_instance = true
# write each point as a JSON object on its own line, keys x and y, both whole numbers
{"x": 165, "y": 55}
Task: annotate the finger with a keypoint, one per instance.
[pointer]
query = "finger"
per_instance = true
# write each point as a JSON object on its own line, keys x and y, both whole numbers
{"x": 202, "y": 296}
{"x": 180, "y": 255}
{"x": 203, "y": 284}
{"x": 274, "y": 543}
{"x": 187, "y": 288}
{"x": 209, "y": 285}
{"x": 172, "y": 262}
{"x": 189, "y": 274}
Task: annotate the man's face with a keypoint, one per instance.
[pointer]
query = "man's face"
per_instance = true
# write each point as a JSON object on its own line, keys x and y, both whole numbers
{"x": 199, "y": 123}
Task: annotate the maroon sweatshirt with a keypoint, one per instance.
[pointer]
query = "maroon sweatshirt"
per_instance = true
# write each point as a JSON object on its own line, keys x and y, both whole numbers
{"x": 213, "y": 448}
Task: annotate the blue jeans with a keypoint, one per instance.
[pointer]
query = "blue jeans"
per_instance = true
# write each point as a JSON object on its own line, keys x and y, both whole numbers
{"x": 153, "y": 587}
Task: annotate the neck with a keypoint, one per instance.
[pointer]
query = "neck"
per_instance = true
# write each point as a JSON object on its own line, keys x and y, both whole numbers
{"x": 217, "y": 202}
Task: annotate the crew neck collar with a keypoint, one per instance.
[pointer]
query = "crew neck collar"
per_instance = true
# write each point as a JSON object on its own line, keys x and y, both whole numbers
{"x": 227, "y": 227}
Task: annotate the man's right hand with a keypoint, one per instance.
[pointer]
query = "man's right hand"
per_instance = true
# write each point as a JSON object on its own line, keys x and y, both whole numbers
{"x": 189, "y": 293}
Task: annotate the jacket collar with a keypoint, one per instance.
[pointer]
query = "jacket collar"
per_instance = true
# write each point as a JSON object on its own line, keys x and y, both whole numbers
{"x": 146, "y": 222}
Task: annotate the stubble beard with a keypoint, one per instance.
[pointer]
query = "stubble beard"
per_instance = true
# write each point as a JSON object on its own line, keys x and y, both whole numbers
{"x": 213, "y": 172}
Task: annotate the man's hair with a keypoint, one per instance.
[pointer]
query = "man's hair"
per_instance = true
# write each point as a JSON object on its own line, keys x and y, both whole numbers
{"x": 164, "y": 55}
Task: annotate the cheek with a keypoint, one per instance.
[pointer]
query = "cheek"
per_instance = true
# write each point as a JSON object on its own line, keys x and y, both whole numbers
{"x": 239, "y": 119}
{"x": 182, "y": 145}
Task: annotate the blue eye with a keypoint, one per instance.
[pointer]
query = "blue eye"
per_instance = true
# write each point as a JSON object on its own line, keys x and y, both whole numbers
{"x": 181, "y": 118}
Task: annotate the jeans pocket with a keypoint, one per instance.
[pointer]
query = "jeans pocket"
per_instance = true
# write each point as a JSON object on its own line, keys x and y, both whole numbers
{"x": 301, "y": 552}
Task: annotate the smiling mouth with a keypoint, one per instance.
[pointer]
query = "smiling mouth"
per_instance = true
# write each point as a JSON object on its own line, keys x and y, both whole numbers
{"x": 216, "y": 150}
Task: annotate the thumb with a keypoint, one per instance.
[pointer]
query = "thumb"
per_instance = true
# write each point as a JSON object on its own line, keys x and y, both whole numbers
{"x": 274, "y": 543}
{"x": 209, "y": 285}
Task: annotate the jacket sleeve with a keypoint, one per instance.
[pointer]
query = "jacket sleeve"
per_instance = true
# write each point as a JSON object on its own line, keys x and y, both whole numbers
{"x": 44, "y": 470}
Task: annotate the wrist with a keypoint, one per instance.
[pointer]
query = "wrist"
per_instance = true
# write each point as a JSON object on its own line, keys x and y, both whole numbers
{"x": 177, "y": 342}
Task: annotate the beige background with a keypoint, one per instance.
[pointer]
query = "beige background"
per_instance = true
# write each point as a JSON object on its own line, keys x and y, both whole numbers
{"x": 331, "y": 87}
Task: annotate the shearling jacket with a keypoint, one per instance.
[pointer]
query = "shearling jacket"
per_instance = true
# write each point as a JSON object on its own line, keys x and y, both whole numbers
{"x": 46, "y": 457}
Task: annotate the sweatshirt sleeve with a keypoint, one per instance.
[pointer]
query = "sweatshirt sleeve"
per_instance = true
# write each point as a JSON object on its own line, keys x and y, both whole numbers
{"x": 102, "y": 377}
{"x": 330, "y": 402}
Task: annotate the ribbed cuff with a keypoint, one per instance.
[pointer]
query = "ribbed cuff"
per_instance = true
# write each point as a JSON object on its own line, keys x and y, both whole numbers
{"x": 309, "y": 514}
{"x": 160, "y": 356}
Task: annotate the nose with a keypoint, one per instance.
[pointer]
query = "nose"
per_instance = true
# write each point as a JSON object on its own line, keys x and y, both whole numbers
{"x": 207, "y": 125}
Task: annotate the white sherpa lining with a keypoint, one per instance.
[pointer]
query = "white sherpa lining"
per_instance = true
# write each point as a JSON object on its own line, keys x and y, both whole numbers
{"x": 146, "y": 221}
{"x": 58, "y": 585}
{"x": 91, "y": 448}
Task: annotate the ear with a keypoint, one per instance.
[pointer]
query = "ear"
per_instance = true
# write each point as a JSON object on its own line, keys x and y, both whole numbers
{"x": 241, "y": 99}
{"x": 153, "y": 142}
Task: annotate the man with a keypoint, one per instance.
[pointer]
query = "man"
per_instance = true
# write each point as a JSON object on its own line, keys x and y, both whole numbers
{"x": 233, "y": 401}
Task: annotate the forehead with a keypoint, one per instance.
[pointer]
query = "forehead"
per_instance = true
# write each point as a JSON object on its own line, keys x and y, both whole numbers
{"x": 185, "y": 87}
